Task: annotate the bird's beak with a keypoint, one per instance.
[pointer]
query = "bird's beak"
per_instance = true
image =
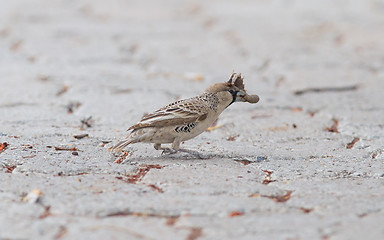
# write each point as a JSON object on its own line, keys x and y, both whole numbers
{"x": 241, "y": 96}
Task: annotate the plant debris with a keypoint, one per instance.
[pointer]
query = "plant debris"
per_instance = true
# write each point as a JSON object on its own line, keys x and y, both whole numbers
{"x": 236, "y": 214}
{"x": 72, "y": 106}
{"x": 326, "y": 89}
{"x": 156, "y": 188}
{"x": 196, "y": 232}
{"x": 46, "y": 212}
{"x": 306, "y": 210}
{"x": 354, "y": 141}
{"x": 105, "y": 142}
{"x": 280, "y": 198}
{"x": 312, "y": 113}
{"x": 232, "y": 138}
{"x": 86, "y": 122}
{"x": 122, "y": 157}
{"x": 66, "y": 149}
{"x": 267, "y": 179}
{"x": 244, "y": 161}
{"x": 334, "y": 128}
{"x": 297, "y": 109}
{"x": 140, "y": 174}
{"x": 62, "y": 232}
{"x": 63, "y": 90}
{"x": 16, "y": 45}
{"x": 3, "y": 146}
{"x": 80, "y": 136}
{"x": 10, "y": 168}
{"x": 376, "y": 153}
{"x": 171, "y": 221}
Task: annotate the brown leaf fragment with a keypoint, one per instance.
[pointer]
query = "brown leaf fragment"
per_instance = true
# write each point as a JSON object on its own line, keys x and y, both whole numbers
{"x": 306, "y": 210}
{"x": 156, "y": 188}
{"x": 62, "y": 232}
{"x": 171, "y": 221}
{"x": 281, "y": 198}
{"x": 195, "y": 233}
{"x": 312, "y": 113}
{"x": 140, "y": 174}
{"x": 31, "y": 156}
{"x": 326, "y": 89}
{"x": 80, "y": 136}
{"x": 3, "y": 146}
{"x": 297, "y": 109}
{"x": 232, "y": 138}
{"x": 121, "y": 159}
{"x": 63, "y": 90}
{"x": 46, "y": 213}
{"x": 334, "y": 128}
{"x": 267, "y": 179}
{"x": 10, "y": 168}
{"x": 66, "y": 149}
{"x": 351, "y": 144}
{"x": 244, "y": 161}
{"x": 16, "y": 45}
{"x": 44, "y": 78}
{"x": 236, "y": 214}
{"x": 5, "y": 32}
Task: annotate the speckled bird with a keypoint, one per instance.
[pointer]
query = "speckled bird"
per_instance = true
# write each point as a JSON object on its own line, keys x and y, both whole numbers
{"x": 185, "y": 119}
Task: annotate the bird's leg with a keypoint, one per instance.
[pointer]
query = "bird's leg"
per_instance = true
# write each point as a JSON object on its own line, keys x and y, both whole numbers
{"x": 176, "y": 144}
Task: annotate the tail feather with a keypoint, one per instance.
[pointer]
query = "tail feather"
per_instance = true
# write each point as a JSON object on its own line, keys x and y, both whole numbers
{"x": 121, "y": 145}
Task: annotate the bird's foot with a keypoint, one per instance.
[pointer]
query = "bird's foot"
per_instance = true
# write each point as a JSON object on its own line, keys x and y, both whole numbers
{"x": 168, "y": 151}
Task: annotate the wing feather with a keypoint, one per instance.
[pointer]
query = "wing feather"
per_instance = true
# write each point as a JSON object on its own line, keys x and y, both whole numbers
{"x": 177, "y": 113}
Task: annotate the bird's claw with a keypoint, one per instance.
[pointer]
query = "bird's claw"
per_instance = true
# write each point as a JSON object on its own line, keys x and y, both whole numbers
{"x": 168, "y": 151}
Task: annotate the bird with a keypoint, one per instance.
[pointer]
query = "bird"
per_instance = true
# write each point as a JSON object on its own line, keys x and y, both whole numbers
{"x": 185, "y": 119}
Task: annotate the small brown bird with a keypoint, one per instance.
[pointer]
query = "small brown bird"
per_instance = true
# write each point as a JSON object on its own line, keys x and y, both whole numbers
{"x": 185, "y": 119}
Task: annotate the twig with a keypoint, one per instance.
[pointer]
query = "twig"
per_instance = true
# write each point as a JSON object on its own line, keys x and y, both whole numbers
{"x": 66, "y": 149}
{"x": 334, "y": 126}
{"x": 351, "y": 144}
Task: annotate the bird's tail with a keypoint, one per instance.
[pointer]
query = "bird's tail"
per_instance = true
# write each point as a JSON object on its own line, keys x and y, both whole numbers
{"x": 121, "y": 145}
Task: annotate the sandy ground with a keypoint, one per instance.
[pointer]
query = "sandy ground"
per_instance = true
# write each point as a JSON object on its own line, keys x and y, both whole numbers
{"x": 279, "y": 169}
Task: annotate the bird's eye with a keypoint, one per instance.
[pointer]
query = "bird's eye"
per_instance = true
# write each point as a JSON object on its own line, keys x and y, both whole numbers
{"x": 231, "y": 91}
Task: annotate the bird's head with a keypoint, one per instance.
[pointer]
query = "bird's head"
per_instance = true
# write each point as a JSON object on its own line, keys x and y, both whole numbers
{"x": 233, "y": 90}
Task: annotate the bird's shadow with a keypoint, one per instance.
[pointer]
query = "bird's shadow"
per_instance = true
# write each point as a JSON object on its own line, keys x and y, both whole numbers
{"x": 186, "y": 156}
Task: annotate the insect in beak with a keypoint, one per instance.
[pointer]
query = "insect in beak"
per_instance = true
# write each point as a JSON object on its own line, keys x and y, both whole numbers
{"x": 241, "y": 96}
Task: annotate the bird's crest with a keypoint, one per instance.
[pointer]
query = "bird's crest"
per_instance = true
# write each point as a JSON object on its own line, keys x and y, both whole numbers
{"x": 237, "y": 80}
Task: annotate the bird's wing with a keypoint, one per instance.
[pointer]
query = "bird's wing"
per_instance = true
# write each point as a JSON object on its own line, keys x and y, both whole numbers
{"x": 178, "y": 113}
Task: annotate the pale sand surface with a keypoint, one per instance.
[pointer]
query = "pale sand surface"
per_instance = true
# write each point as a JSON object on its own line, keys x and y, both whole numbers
{"x": 273, "y": 170}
